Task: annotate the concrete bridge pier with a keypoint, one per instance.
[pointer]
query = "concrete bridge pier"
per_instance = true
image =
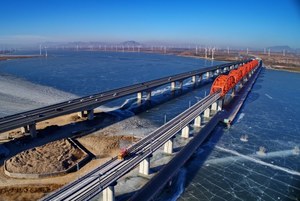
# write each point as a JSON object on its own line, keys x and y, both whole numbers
{"x": 109, "y": 193}
{"x": 197, "y": 121}
{"x": 207, "y": 112}
{"x": 148, "y": 95}
{"x": 173, "y": 86}
{"x": 32, "y": 130}
{"x": 90, "y": 114}
{"x": 185, "y": 132}
{"x": 214, "y": 106}
{"x": 207, "y": 75}
{"x": 81, "y": 114}
{"x": 233, "y": 92}
{"x": 180, "y": 84}
{"x": 145, "y": 166}
{"x": 168, "y": 147}
{"x": 139, "y": 96}
{"x": 200, "y": 78}
{"x": 220, "y": 104}
{"x": 24, "y": 129}
{"x": 194, "y": 80}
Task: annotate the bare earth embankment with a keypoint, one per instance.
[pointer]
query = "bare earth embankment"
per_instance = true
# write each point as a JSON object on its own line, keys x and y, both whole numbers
{"x": 276, "y": 61}
{"x": 103, "y": 137}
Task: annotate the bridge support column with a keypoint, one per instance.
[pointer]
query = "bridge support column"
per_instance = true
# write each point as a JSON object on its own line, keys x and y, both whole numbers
{"x": 24, "y": 129}
{"x": 185, "y": 132}
{"x": 81, "y": 114}
{"x": 173, "y": 86}
{"x": 168, "y": 147}
{"x": 139, "y": 96}
{"x": 220, "y": 104}
{"x": 32, "y": 130}
{"x": 233, "y": 92}
{"x": 90, "y": 114}
{"x": 207, "y": 75}
{"x": 180, "y": 84}
{"x": 241, "y": 85}
{"x": 148, "y": 96}
{"x": 194, "y": 80}
{"x": 197, "y": 121}
{"x": 145, "y": 166}
{"x": 109, "y": 194}
{"x": 200, "y": 78}
{"x": 207, "y": 112}
{"x": 214, "y": 106}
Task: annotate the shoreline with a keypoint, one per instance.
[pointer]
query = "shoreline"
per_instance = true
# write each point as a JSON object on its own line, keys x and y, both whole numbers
{"x": 11, "y": 57}
{"x": 279, "y": 68}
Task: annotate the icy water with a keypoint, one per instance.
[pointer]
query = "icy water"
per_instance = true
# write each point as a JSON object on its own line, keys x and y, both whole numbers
{"x": 225, "y": 168}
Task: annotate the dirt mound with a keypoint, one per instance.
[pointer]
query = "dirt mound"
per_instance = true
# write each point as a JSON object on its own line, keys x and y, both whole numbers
{"x": 52, "y": 157}
{"x": 103, "y": 146}
{"x": 26, "y": 193}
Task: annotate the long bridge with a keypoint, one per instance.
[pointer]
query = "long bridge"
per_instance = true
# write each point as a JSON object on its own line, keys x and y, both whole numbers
{"x": 105, "y": 177}
{"x": 86, "y": 105}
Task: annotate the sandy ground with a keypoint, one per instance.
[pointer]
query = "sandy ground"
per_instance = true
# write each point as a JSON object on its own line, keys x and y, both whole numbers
{"x": 103, "y": 137}
{"x": 52, "y": 157}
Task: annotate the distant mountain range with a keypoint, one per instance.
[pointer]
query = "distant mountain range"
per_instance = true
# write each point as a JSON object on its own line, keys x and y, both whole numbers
{"x": 281, "y": 48}
{"x": 131, "y": 43}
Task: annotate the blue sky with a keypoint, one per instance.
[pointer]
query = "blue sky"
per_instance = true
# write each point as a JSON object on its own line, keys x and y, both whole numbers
{"x": 253, "y": 23}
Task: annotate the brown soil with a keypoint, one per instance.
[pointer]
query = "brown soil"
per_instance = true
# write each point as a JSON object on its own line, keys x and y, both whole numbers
{"x": 25, "y": 193}
{"x": 52, "y": 157}
{"x": 104, "y": 146}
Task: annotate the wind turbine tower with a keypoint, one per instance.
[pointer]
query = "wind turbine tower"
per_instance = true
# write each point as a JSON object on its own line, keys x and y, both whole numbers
{"x": 40, "y": 49}
{"x": 212, "y": 53}
{"x": 46, "y": 53}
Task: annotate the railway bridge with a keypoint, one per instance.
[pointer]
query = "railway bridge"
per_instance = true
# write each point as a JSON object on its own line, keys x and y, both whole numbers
{"x": 105, "y": 177}
{"x": 85, "y": 106}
